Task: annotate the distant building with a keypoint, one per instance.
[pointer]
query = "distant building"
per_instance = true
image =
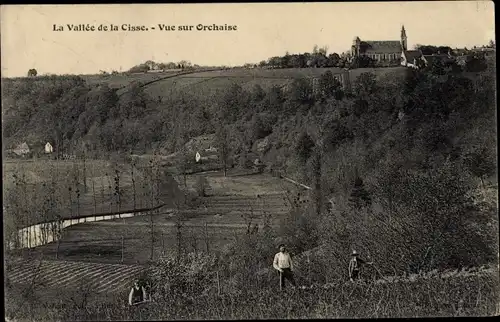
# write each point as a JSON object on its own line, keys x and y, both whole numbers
{"x": 463, "y": 60}
{"x": 444, "y": 58}
{"x": 382, "y": 51}
{"x": 22, "y": 149}
{"x": 411, "y": 58}
{"x": 211, "y": 149}
{"x": 48, "y": 148}
{"x": 204, "y": 156}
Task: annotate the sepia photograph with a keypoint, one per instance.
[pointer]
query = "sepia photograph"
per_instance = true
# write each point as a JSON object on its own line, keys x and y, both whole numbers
{"x": 228, "y": 161}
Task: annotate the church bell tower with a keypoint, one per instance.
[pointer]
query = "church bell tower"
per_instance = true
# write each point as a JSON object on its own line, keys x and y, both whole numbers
{"x": 404, "y": 43}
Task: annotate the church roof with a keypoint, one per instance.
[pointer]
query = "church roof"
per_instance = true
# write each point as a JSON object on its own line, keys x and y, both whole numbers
{"x": 381, "y": 46}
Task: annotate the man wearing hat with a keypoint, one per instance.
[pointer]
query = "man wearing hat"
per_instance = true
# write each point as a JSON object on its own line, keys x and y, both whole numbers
{"x": 355, "y": 265}
{"x": 283, "y": 263}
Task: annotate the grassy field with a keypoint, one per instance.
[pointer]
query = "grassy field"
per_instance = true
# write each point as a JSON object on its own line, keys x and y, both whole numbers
{"x": 424, "y": 298}
{"x": 90, "y": 259}
{"x": 122, "y": 80}
{"x": 52, "y": 274}
{"x": 215, "y": 220}
{"x": 94, "y": 181}
{"x": 206, "y": 82}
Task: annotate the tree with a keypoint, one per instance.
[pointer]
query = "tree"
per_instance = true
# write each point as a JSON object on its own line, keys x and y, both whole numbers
{"x": 142, "y": 68}
{"x": 258, "y": 93}
{"x": 336, "y": 133}
{"x": 365, "y": 84}
{"x": 201, "y": 186}
{"x": 480, "y": 163}
{"x": 477, "y": 63}
{"x": 32, "y": 72}
{"x": 301, "y": 91}
{"x": 360, "y": 198}
{"x": 275, "y": 62}
{"x": 274, "y": 99}
{"x": 323, "y": 50}
{"x": 222, "y": 142}
{"x": 304, "y": 147}
{"x": 258, "y": 127}
{"x": 184, "y": 163}
{"x": 333, "y": 60}
{"x": 362, "y": 62}
{"x": 437, "y": 67}
{"x": 327, "y": 85}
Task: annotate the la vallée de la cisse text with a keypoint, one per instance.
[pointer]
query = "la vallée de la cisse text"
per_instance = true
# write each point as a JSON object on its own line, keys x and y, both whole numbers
{"x": 129, "y": 27}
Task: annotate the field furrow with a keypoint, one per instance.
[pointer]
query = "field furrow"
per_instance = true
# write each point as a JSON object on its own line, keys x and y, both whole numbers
{"x": 122, "y": 279}
{"x": 70, "y": 275}
{"x": 62, "y": 281}
{"x": 93, "y": 276}
{"x": 45, "y": 270}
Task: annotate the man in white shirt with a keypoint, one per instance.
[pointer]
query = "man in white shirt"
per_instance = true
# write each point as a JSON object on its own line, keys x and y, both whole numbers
{"x": 283, "y": 263}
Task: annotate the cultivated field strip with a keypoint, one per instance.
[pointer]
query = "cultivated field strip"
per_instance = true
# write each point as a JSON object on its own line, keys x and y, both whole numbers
{"x": 101, "y": 278}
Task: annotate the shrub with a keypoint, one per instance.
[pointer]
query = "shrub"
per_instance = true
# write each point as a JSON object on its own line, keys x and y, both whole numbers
{"x": 201, "y": 186}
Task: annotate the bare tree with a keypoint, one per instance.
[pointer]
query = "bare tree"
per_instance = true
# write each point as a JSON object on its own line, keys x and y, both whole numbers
{"x": 102, "y": 193}
{"x": 134, "y": 194}
{"x": 222, "y": 141}
{"x": 110, "y": 193}
{"x": 118, "y": 191}
{"x": 93, "y": 194}
{"x": 207, "y": 238}
{"x": 85, "y": 172}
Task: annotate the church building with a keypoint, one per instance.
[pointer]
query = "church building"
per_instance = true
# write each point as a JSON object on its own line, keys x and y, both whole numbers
{"x": 387, "y": 52}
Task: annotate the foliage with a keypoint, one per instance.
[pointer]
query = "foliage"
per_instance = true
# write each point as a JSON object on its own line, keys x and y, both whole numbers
{"x": 201, "y": 186}
{"x": 304, "y": 147}
{"x": 32, "y": 72}
{"x": 421, "y": 144}
{"x": 360, "y": 198}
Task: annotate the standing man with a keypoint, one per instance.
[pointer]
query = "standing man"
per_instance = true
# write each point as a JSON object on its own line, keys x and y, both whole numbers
{"x": 283, "y": 263}
{"x": 137, "y": 294}
{"x": 355, "y": 265}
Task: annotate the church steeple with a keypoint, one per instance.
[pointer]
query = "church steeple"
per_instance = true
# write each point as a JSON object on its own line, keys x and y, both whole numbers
{"x": 404, "y": 43}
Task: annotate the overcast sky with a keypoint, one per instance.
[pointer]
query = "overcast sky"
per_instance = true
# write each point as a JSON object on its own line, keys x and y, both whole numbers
{"x": 263, "y": 30}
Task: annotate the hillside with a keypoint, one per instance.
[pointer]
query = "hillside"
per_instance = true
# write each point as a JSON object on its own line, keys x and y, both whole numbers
{"x": 402, "y": 167}
{"x": 392, "y": 128}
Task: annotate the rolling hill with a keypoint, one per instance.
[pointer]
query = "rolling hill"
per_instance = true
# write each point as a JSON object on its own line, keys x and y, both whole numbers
{"x": 206, "y": 82}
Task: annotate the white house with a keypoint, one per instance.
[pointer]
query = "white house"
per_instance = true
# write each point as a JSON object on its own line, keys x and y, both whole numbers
{"x": 205, "y": 156}
{"x": 48, "y": 148}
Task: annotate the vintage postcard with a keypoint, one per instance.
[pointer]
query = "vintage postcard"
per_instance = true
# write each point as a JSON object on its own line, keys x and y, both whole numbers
{"x": 249, "y": 161}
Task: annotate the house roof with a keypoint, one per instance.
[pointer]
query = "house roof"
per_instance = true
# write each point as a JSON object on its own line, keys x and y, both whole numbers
{"x": 431, "y": 58}
{"x": 381, "y": 46}
{"x": 412, "y": 54}
{"x": 204, "y": 153}
{"x": 463, "y": 58}
{"x": 23, "y": 145}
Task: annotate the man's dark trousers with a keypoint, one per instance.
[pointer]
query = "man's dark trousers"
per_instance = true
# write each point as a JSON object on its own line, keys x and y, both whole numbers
{"x": 287, "y": 274}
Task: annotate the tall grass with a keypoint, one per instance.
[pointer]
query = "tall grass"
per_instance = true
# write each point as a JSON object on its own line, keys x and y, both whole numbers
{"x": 466, "y": 296}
